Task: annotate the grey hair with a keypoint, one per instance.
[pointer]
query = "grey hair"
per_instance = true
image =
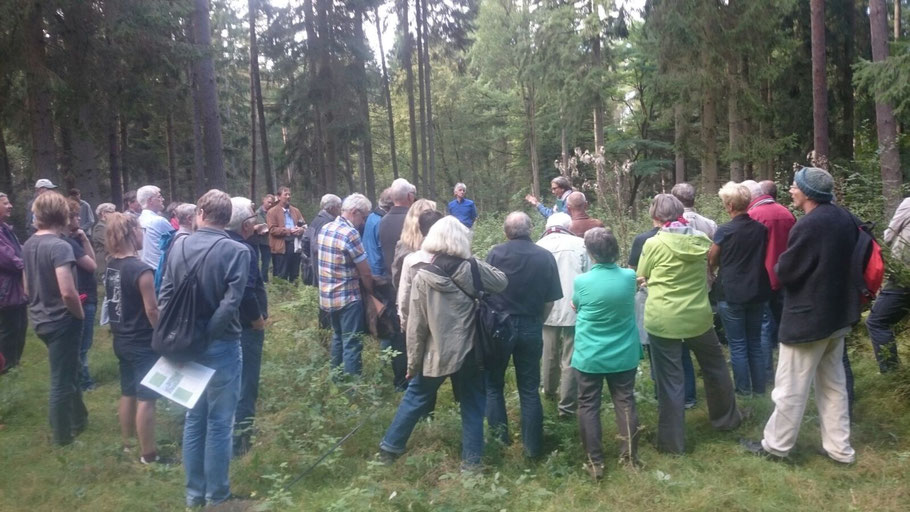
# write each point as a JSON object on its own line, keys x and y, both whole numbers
{"x": 666, "y": 208}
{"x": 448, "y": 236}
{"x": 145, "y": 193}
{"x": 576, "y": 200}
{"x": 562, "y": 182}
{"x": 100, "y": 210}
{"x": 754, "y": 188}
{"x": 517, "y": 224}
{"x": 736, "y": 196}
{"x": 400, "y": 189}
{"x": 563, "y": 220}
{"x": 185, "y": 213}
{"x": 460, "y": 186}
{"x": 685, "y": 192}
{"x": 2, "y": 195}
{"x": 769, "y": 188}
{"x": 241, "y": 210}
{"x": 358, "y": 203}
{"x": 330, "y": 201}
{"x": 385, "y": 199}
{"x": 602, "y": 245}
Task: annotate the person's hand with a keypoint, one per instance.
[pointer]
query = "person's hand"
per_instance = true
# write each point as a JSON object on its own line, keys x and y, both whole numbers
{"x": 261, "y": 229}
{"x": 641, "y": 281}
{"x": 258, "y": 324}
{"x": 531, "y": 199}
{"x": 80, "y": 234}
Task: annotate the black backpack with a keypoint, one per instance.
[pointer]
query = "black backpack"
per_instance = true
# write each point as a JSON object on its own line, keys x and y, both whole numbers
{"x": 181, "y": 331}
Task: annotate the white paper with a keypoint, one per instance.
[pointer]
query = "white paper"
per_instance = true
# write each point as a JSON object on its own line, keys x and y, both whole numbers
{"x": 182, "y": 383}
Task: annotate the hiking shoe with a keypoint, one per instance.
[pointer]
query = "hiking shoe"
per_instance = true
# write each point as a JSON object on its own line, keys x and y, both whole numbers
{"x": 595, "y": 470}
{"x": 690, "y": 405}
{"x": 164, "y": 461}
{"x": 387, "y": 458}
{"x": 756, "y": 448}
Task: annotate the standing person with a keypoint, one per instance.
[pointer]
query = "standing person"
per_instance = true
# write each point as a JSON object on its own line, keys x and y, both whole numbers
{"x": 685, "y": 192}
{"x": 606, "y": 348}
{"x": 155, "y": 228}
{"x": 820, "y": 306}
{"x": 56, "y": 312}
{"x": 285, "y": 223}
{"x": 98, "y": 234}
{"x": 678, "y": 316}
{"x": 343, "y": 268}
{"x": 559, "y": 328}
{"x": 130, "y": 204}
{"x": 41, "y": 186}
{"x": 441, "y": 329}
{"x": 461, "y": 207}
{"x": 528, "y": 299}
{"x": 85, "y": 212}
{"x": 170, "y": 213}
{"x": 410, "y": 238}
{"x": 262, "y": 240}
{"x": 371, "y": 242}
{"x": 561, "y": 187}
{"x": 13, "y": 301}
{"x": 223, "y": 274}
{"x": 403, "y": 196}
{"x": 424, "y": 222}
{"x": 253, "y": 314}
{"x": 87, "y": 286}
{"x": 133, "y": 313}
{"x": 739, "y": 250}
{"x": 329, "y": 209}
{"x": 577, "y": 206}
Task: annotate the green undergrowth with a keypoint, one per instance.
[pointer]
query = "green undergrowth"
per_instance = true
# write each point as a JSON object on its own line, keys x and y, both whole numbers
{"x": 303, "y": 413}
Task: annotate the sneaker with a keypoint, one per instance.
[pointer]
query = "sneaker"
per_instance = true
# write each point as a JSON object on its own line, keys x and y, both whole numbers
{"x": 164, "y": 461}
{"x": 690, "y": 405}
{"x": 595, "y": 470}
{"x": 756, "y": 448}
{"x": 387, "y": 458}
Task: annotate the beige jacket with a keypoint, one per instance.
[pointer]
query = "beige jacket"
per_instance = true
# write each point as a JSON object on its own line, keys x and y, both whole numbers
{"x": 441, "y": 323}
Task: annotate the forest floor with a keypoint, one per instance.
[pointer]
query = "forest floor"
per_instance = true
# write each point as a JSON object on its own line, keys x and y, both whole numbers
{"x": 302, "y": 414}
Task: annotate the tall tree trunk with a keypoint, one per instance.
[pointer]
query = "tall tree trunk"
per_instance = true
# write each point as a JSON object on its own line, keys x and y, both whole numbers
{"x": 84, "y": 155}
{"x": 6, "y": 173}
{"x": 599, "y": 129}
{"x": 326, "y": 78}
{"x": 531, "y": 115}
{"x": 171, "y": 157}
{"x": 199, "y": 180}
{"x": 888, "y": 148}
{"x": 260, "y": 105}
{"x": 406, "y": 54}
{"x": 819, "y": 83}
{"x": 207, "y": 97}
{"x": 421, "y": 87}
{"x": 845, "y": 139}
{"x": 709, "y": 140}
{"x": 388, "y": 95}
{"x": 113, "y": 159}
{"x": 366, "y": 145}
{"x": 734, "y": 121}
{"x": 679, "y": 137}
{"x": 564, "y": 148}
{"x": 253, "y": 119}
{"x": 431, "y": 143}
{"x": 124, "y": 152}
{"x": 39, "y": 96}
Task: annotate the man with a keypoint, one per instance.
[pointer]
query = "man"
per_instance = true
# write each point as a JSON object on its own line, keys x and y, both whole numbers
{"x": 779, "y": 221}
{"x": 343, "y": 268}
{"x": 154, "y": 226}
{"x": 561, "y": 188}
{"x": 130, "y": 204}
{"x": 403, "y": 196}
{"x": 329, "y": 209}
{"x": 253, "y": 313}
{"x": 223, "y": 275}
{"x": 98, "y": 234}
{"x": 577, "y": 204}
{"x": 559, "y": 328}
{"x": 462, "y": 208}
{"x": 41, "y": 186}
{"x": 85, "y": 212}
{"x": 528, "y": 299}
{"x": 686, "y": 195}
{"x": 262, "y": 240}
{"x": 371, "y": 233}
{"x": 285, "y": 223}
{"x": 13, "y": 301}
{"x": 820, "y": 305}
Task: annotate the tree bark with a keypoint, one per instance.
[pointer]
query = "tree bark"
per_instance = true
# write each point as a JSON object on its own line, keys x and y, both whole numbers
{"x": 406, "y": 52}
{"x": 734, "y": 122}
{"x": 418, "y": 16}
{"x": 171, "y": 157}
{"x": 365, "y": 137}
{"x": 564, "y": 148}
{"x": 599, "y": 128}
{"x": 260, "y": 105}
{"x": 326, "y": 79}
{"x": 819, "y": 83}
{"x": 431, "y": 143}
{"x": 845, "y": 139}
{"x": 84, "y": 165}
{"x": 39, "y": 96}
{"x": 679, "y": 137}
{"x": 113, "y": 156}
{"x": 531, "y": 114}
{"x": 207, "y": 97}
{"x": 124, "y": 147}
{"x": 198, "y": 153}
{"x": 253, "y": 119}
{"x": 889, "y": 151}
{"x": 388, "y": 96}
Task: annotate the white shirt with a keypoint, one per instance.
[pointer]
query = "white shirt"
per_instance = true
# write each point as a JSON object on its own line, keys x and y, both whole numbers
{"x": 153, "y": 226}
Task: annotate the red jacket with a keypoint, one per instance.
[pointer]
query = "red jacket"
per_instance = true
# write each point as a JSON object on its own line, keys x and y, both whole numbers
{"x": 779, "y": 221}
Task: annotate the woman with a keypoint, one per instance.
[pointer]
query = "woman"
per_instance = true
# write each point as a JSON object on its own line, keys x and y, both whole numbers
{"x": 56, "y": 312}
{"x": 677, "y": 316}
{"x": 440, "y": 339}
{"x": 133, "y": 312}
{"x": 98, "y": 238}
{"x": 739, "y": 251}
{"x": 425, "y": 221}
{"x": 13, "y": 314}
{"x": 606, "y": 347}
{"x": 410, "y": 236}
{"x": 87, "y": 286}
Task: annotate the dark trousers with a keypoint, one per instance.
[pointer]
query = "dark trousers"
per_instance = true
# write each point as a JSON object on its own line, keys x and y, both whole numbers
{"x": 251, "y": 349}
{"x": 622, "y": 391}
{"x": 287, "y": 265}
{"x": 13, "y": 322}
{"x": 890, "y": 307}
{"x": 265, "y": 258}
{"x": 667, "y": 357}
{"x": 400, "y": 362}
{"x": 67, "y": 412}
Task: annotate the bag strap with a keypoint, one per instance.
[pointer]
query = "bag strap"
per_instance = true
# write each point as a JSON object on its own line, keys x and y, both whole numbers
{"x": 192, "y": 272}
{"x": 475, "y": 275}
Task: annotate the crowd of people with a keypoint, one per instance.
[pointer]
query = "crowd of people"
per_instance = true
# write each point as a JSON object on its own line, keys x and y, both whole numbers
{"x": 404, "y": 271}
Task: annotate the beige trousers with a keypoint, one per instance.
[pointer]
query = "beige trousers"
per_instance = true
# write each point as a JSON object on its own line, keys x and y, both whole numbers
{"x": 555, "y": 368}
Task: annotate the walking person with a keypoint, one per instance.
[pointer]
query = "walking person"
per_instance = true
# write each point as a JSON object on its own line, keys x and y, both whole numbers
{"x": 87, "y": 286}
{"x": 13, "y": 301}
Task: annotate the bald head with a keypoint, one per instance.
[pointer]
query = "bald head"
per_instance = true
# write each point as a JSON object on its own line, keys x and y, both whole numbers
{"x": 517, "y": 225}
{"x": 576, "y": 202}
{"x": 768, "y": 188}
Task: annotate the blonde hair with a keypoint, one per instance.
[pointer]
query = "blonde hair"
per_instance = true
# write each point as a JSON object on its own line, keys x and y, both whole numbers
{"x": 120, "y": 234}
{"x": 410, "y": 232}
{"x": 736, "y": 196}
{"x": 51, "y": 211}
{"x": 448, "y": 236}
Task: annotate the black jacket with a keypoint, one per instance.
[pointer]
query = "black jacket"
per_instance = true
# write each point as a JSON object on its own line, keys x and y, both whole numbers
{"x": 815, "y": 274}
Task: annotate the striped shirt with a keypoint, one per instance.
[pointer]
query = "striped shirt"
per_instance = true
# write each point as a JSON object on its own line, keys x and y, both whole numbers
{"x": 340, "y": 249}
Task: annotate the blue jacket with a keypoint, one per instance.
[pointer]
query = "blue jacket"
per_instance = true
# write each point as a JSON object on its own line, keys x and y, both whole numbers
{"x": 371, "y": 242}
{"x": 465, "y": 211}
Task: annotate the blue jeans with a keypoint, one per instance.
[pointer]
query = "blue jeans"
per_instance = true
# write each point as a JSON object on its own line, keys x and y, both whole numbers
{"x": 769, "y": 325}
{"x": 743, "y": 326}
{"x": 88, "y": 332}
{"x": 347, "y": 324}
{"x": 525, "y": 349}
{"x": 209, "y": 426}
{"x": 66, "y": 412}
{"x": 251, "y": 348}
{"x": 421, "y": 392}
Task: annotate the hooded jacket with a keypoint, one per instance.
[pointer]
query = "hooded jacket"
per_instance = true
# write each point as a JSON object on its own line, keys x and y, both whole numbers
{"x": 674, "y": 263}
{"x": 441, "y": 321}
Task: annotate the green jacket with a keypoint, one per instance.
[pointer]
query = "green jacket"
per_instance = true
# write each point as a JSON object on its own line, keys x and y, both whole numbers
{"x": 674, "y": 262}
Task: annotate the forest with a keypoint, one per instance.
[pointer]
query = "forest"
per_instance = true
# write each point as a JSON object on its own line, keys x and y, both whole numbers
{"x": 626, "y": 98}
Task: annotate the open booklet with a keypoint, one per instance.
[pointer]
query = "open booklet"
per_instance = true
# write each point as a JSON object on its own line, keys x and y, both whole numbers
{"x": 182, "y": 383}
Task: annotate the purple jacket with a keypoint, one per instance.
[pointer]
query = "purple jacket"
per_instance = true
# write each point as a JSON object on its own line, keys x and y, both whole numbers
{"x": 12, "y": 292}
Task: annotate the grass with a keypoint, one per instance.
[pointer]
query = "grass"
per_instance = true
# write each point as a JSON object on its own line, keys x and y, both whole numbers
{"x": 302, "y": 414}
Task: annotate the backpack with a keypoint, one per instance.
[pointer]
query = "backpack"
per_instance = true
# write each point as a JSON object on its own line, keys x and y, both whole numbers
{"x": 181, "y": 331}
{"x": 867, "y": 264}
